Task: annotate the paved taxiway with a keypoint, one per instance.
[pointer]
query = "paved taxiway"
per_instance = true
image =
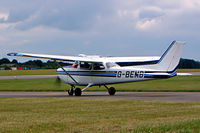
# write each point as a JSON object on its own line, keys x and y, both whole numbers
{"x": 195, "y": 73}
{"x": 172, "y": 96}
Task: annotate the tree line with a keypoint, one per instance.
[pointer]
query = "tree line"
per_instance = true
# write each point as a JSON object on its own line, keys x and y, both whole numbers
{"x": 189, "y": 64}
{"x": 37, "y": 64}
{"x": 184, "y": 64}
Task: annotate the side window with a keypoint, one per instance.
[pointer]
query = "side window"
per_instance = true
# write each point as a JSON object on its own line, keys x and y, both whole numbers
{"x": 85, "y": 65}
{"x": 98, "y": 66}
{"x": 109, "y": 65}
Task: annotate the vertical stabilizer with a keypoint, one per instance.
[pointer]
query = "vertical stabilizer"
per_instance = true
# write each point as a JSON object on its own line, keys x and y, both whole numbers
{"x": 170, "y": 59}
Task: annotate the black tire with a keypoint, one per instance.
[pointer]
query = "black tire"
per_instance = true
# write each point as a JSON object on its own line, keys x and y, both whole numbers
{"x": 70, "y": 92}
{"x": 111, "y": 91}
{"x": 78, "y": 92}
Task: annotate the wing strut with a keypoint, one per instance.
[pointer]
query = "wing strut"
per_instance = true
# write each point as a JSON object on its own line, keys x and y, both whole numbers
{"x": 67, "y": 73}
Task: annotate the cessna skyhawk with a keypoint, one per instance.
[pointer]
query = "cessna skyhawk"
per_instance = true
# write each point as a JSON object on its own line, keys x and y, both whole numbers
{"x": 101, "y": 71}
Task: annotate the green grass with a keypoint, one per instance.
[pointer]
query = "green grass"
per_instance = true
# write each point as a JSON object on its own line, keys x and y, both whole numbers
{"x": 187, "y": 83}
{"x": 31, "y": 85}
{"x": 188, "y": 70}
{"x": 53, "y": 72}
{"x": 28, "y": 72}
{"x": 84, "y": 115}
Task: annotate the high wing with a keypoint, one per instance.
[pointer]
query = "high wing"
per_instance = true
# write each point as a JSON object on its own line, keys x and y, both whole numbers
{"x": 131, "y": 59}
{"x": 56, "y": 57}
{"x": 86, "y": 58}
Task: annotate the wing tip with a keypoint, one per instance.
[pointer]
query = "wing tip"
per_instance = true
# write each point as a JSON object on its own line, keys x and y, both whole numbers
{"x": 12, "y": 54}
{"x": 179, "y": 42}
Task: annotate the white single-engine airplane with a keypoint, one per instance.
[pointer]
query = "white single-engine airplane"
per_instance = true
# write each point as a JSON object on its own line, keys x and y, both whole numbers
{"x": 96, "y": 70}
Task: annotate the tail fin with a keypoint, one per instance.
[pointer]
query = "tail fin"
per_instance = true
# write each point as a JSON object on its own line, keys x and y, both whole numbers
{"x": 170, "y": 59}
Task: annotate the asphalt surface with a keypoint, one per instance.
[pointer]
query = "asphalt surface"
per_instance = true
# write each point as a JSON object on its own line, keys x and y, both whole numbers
{"x": 167, "y": 96}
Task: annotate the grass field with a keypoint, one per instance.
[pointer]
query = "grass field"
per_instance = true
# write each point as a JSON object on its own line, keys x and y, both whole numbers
{"x": 188, "y": 70}
{"x": 28, "y": 72}
{"x": 53, "y": 72}
{"x": 187, "y": 83}
{"x": 73, "y": 115}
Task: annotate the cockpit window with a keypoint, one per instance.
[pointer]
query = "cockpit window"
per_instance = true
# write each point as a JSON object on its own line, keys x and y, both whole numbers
{"x": 86, "y": 65}
{"x": 98, "y": 66}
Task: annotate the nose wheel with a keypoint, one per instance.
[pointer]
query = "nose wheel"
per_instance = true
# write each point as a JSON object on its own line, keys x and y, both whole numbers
{"x": 71, "y": 92}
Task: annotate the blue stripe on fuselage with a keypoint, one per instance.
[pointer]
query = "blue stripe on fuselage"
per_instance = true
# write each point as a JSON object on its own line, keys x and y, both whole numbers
{"x": 90, "y": 73}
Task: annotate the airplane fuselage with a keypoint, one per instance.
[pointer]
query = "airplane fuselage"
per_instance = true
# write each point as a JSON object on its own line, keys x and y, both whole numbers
{"x": 110, "y": 76}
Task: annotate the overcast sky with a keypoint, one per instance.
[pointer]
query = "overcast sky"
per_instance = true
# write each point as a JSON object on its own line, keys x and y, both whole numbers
{"x": 102, "y": 27}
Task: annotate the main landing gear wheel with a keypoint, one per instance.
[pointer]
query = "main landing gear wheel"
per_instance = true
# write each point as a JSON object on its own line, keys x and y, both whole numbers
{"x": 71, "y": 92}
{"x": 78, "y": 92}
{"x": 111, "y": 91}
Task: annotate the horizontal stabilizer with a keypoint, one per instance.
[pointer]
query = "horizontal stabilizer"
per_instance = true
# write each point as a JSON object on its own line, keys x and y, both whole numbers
{"x": 184, "y": 74}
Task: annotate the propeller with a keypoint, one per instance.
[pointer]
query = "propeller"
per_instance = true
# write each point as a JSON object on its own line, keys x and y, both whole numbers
{"x": 58, "y": 81}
